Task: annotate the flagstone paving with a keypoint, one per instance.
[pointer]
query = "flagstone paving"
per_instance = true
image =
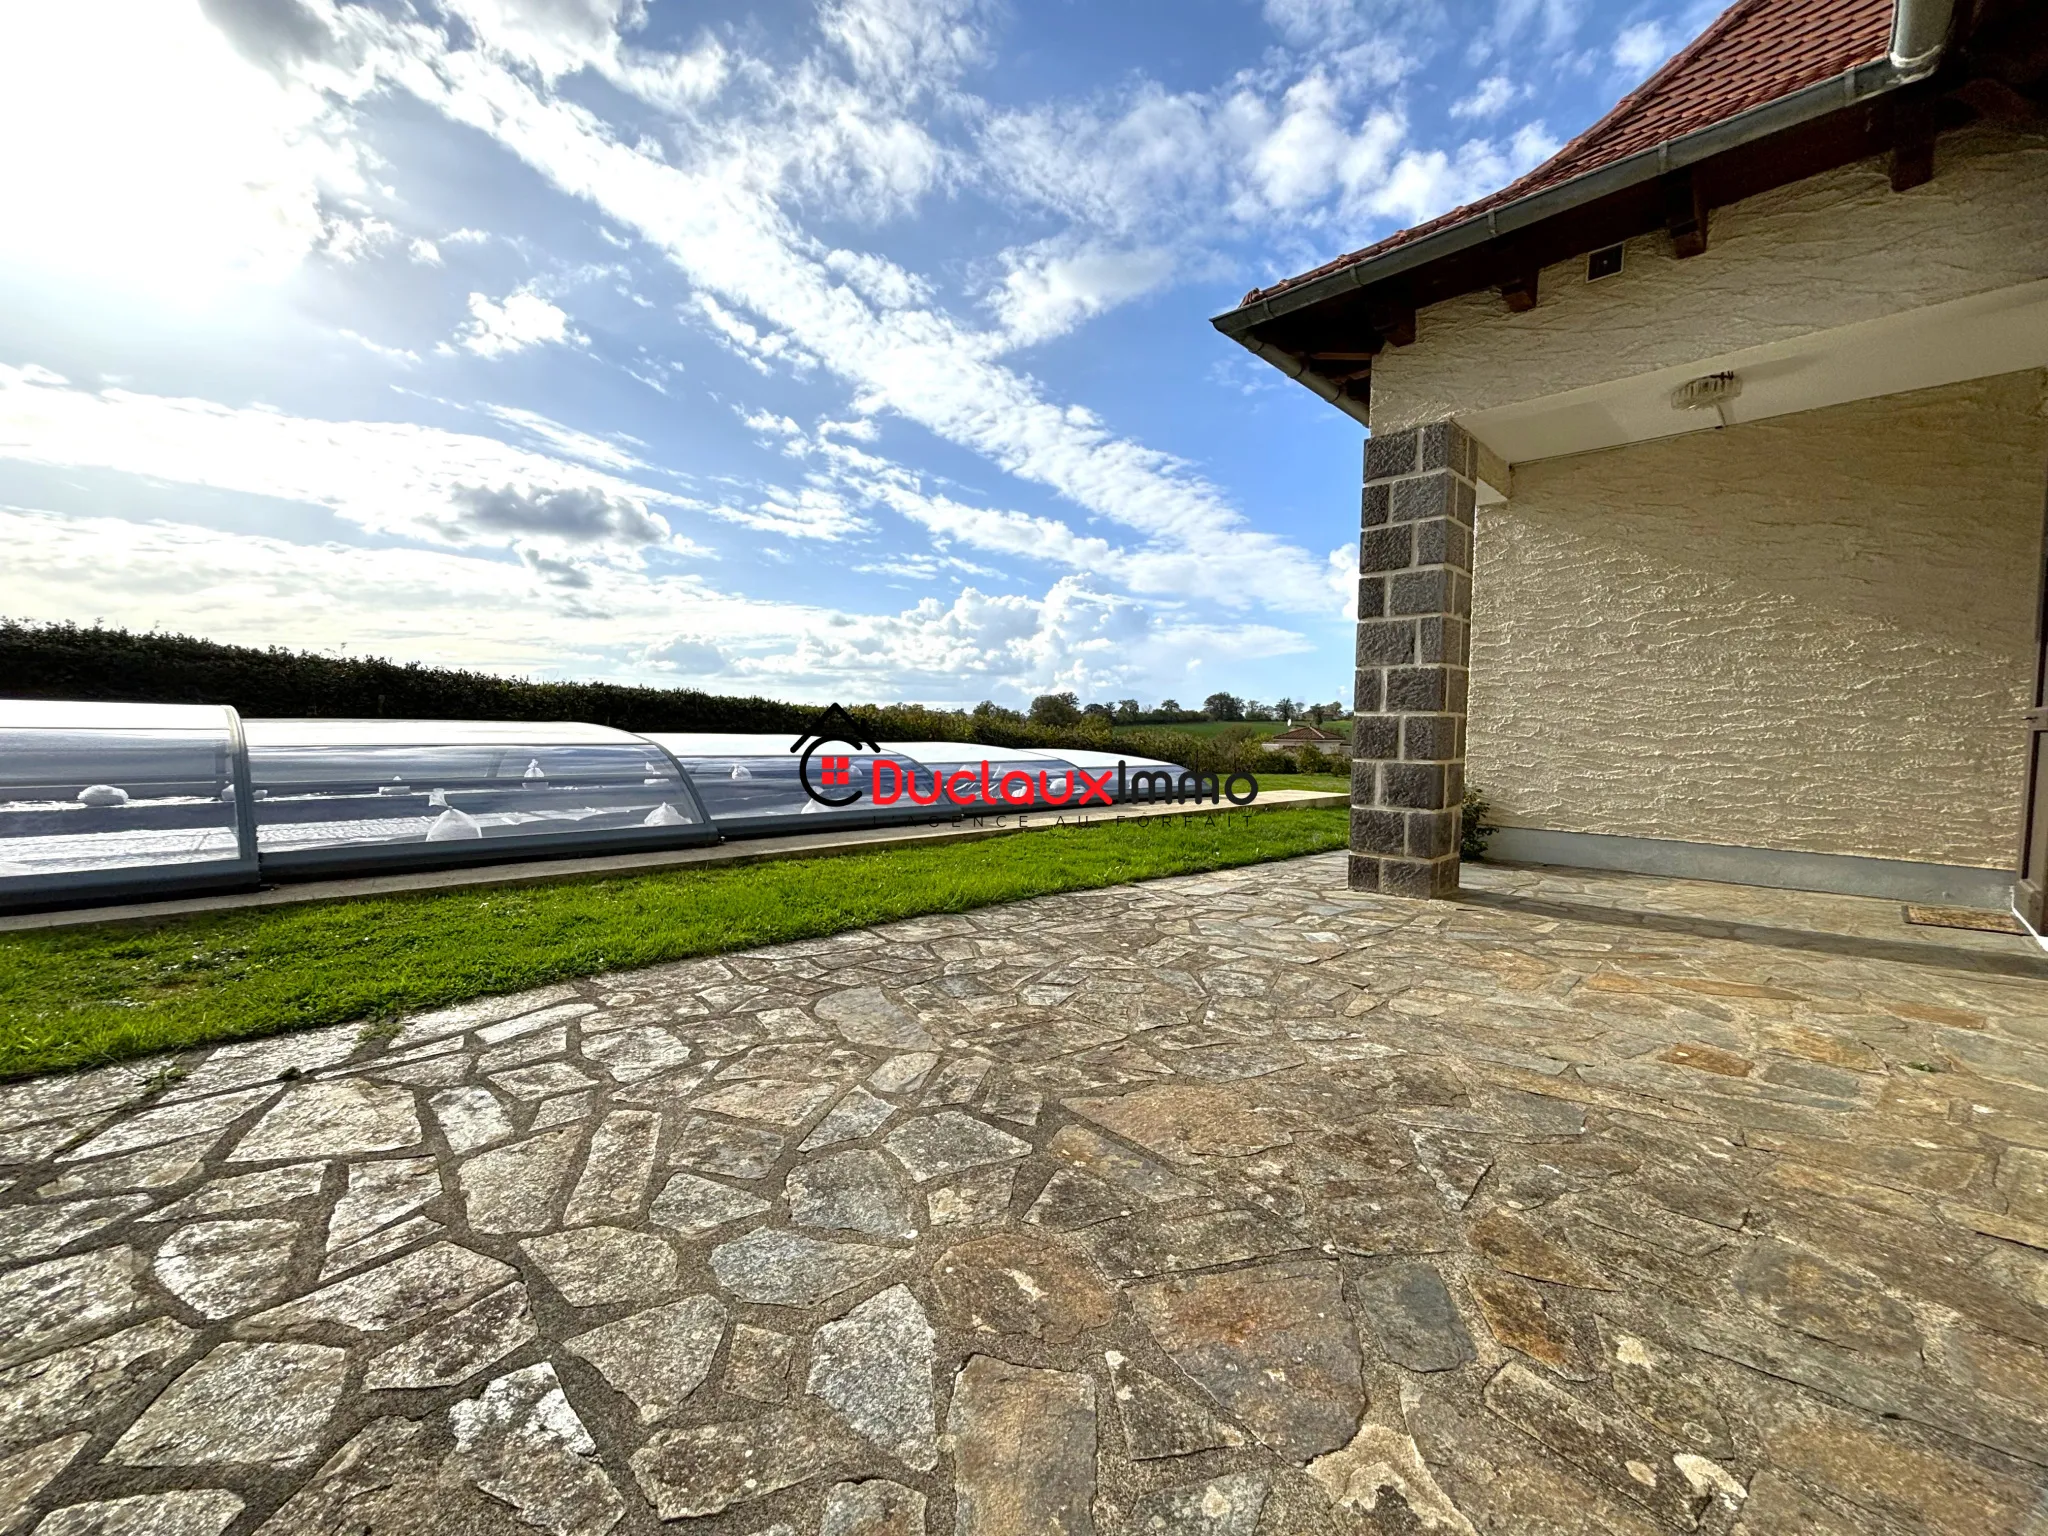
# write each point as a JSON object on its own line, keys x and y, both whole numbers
{"x": 1236, "y": 1205}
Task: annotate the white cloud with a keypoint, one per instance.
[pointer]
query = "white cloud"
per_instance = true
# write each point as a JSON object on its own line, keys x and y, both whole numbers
{"x": 524, "y": 319}
{"x": 1489, "y": 97}
{"x": 604, "y": 452}
{"x": 388, "y": 477}
{"x": 1053, "y": 286}
{"x": 1641, "y": 48}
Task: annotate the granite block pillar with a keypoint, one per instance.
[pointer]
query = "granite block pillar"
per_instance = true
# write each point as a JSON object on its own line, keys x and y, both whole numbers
{"x": 1414, "y": 649}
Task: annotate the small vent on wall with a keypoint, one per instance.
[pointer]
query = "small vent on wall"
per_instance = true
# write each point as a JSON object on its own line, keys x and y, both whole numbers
{"x": 1603, "y": 263}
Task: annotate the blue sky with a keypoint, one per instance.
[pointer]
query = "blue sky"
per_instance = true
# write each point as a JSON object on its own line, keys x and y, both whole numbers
{"x": 852, "y": 349}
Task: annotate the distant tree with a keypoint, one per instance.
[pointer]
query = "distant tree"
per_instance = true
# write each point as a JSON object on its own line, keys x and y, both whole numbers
{"x": 1254, "y": 710}
{"x": 1223, "y": 706}
{"x": 1168, "y": 707}
{"x": 1056, "y": 709}
{"x": 1286, "y": 709}
{"x": 1128, "y": 711}
{"x": 1317, "y": 714}
{"x": 1099, "y": 712}
{"x": 988, "y": 710}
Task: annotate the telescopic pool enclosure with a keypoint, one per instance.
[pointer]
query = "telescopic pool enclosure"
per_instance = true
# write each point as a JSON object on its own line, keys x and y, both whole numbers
{"x": 135, "y": 802}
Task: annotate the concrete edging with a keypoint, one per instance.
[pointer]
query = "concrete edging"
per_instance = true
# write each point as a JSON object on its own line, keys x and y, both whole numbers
{"x": 745, "y": 851}
{"x": 1841, "y": 874}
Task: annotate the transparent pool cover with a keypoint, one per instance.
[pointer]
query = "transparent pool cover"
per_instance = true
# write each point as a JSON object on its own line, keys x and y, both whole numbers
{"x": 133, "y": 801}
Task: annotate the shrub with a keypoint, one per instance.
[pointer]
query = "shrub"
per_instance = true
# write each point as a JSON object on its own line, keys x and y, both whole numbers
{"x": 1474, "y": 828}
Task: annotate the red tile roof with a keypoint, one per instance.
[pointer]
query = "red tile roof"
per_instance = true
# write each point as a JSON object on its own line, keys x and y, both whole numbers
{"x": 1757, "y": 51}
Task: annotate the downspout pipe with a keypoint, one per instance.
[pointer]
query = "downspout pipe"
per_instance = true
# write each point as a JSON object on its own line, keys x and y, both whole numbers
{"x": 1298, "y": 370}
{"x": 1920, "y": 31}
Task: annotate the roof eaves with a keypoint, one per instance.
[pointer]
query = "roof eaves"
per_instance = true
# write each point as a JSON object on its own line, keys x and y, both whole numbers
{"x": 1861, "y": 84}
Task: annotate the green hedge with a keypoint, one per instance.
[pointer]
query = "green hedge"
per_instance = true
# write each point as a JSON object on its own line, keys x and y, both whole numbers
{"x": 67, "y": 661}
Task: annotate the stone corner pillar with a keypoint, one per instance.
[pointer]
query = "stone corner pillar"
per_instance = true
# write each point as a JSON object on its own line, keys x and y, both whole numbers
{"x": 1414, "y": 649}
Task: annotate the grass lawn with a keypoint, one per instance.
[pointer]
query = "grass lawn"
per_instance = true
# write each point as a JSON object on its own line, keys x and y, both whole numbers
{"x": 84, "y": 996}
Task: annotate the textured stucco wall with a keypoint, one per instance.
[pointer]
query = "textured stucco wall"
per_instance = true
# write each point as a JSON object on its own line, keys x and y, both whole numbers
{"x": 1809, "y": 633}
{"x": 1827, "y": 251}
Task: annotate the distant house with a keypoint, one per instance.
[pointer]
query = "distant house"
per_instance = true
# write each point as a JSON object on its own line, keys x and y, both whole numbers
{"x": 1704, "y": 495}
{"x": 1306, "y": 735}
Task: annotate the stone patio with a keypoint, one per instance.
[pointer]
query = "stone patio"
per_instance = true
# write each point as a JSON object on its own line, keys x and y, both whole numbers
{"x": 1239, "y": 1205}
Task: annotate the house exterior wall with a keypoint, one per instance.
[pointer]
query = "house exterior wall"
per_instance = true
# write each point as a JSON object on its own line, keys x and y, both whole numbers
{"x": 1828, "y": 251}
{"x": 1809, "y": 633}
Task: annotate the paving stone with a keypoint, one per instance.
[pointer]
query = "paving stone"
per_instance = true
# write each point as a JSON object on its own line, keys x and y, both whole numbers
{"x": 378, "y": 1196}
{"x": 1224, "y": 1506}
{"x": 1159, "y": 1422}
{"x": 33, "y": 1143}
{"x": 958, "y": 1081}
{"x": 1022, "y": 1285}
{"x": 46, "y": 1306}
{"x": 470, "y": 1118}
{"x": 690, "y": 1204}
{"x": 1023, "y": 1450}
{"x": 876, "y": 1507}
{"x": 761, "y": 1364}
{"x": 78, "y": 1385}
{"x": 950, "y": 1142}
{"x": 223, "y": 1268}
{"x": 854, "y": 1118}
{"x": 338, "y": 1119}
{"x": 1708, "y": 1058}
{"x": 977, "y": 1199}
{"x": 737, "y": 1151}
{"x": 1411, "y": 1314}
{"x": 1521, "y": 1249}
{"x": 634, "y": 1055}
{"x": 1518, "y": 1317}
{"x": 690, "y": 1473}
{"x": 657, "y": 1357}
{"x": 27, "y": 1472}
{"x": 616, "y": 1169}
{"x": 1657, "y": 1384}
{"x": 1382, "y": 1466}
{"x": 874, "y": 1368}
{"x": 767, "y": 1099}
{"x": 545, "y": 1080}
{"x": 524, "y": 1050}
{"x": 246, "y": 1404}
{"x": 1455, "y": 1164}
{"x": 513, "y": 1189}
{"x": 1777, "y": 1506}
{"x": 183, "y": 1512}
{"x": 389, "y": 1482}
{"x": 521, "y": 1443}
{"x": 1088, "y": 1152}
{"x": 1804, "y": 1291}
{"x": 903, "y": 1074}
{"x": 787, "y": 1269}
{"x": 1274, "y": 1345}
{"x": 33, "y": 1231}
{"x": 248, "y": 1192}
{"x": 1155, "y": 1247}
{"x": 400, "y": 1291}
{"x": 851, "y": 1192}
{"x": 1072, "y": 1200}
{"x": 452, "y": 1349}
{"x": 594, "y": 1266}
{"x": 564, "y": 1012}
{"x": 1186, "y": 1124}
{"x": 865, "y": 1016}
{"x": 170, "y": 1122}
{"x": 149, "y": 1168}
{"x": 1627, "y": 1459}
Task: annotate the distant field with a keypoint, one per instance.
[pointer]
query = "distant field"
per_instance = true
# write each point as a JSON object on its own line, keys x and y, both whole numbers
{"x": 1260, "y": 728}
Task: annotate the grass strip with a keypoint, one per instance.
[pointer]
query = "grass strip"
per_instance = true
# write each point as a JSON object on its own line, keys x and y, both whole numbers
{"x": 85, "y": 996}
